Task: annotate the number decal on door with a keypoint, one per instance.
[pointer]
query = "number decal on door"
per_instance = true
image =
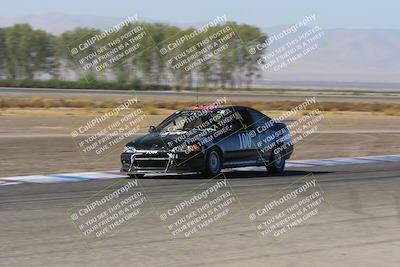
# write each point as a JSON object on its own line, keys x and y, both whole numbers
{"x": 244, "y": 141}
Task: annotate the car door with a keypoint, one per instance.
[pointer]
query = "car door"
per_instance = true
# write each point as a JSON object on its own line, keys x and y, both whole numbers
{"x": 238, "y": 146}
{"x": 263, "y": 134}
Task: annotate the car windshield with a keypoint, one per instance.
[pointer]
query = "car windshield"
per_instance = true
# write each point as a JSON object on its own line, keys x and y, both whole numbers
{"x": 187, "y": 120}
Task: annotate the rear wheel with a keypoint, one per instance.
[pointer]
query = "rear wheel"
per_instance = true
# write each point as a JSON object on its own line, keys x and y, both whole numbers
{"x": 213, "y": 162}
{"x": 136, "y": 176}
{"x": 276, "y": 162}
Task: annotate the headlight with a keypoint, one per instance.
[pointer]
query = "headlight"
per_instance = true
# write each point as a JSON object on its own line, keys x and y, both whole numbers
{"x": 194, "y": 148}
{"x": 129, "y": 149}
{"x": 187, "y": 149}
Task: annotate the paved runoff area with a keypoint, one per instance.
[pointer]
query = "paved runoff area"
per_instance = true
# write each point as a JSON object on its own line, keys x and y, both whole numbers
{"x": 334, "y": 212}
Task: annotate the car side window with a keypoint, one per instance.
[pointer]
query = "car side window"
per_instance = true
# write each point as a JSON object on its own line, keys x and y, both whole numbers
{"x": 236, "y": 124}
{"x": 257, "y": 117}
{"x": 244, "y": 118}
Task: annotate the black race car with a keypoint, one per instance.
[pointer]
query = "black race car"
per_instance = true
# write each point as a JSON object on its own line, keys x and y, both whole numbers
{"x": 208, "y": 139}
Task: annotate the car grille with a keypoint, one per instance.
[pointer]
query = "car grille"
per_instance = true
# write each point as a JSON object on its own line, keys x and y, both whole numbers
{"x": 158, "y": 160}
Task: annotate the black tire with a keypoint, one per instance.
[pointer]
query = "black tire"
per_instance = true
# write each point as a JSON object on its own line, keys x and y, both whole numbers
{"x": 135, "y": 176}
{"x": 276, "y": 163}
{"x": 213, "y": 163}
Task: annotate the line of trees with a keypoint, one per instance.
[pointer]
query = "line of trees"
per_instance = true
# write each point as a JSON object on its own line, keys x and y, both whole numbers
{"x": 28, "y": 54}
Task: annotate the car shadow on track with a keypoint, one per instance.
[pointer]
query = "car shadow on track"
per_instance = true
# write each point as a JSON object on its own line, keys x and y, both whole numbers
{"x": 238, "y": 175}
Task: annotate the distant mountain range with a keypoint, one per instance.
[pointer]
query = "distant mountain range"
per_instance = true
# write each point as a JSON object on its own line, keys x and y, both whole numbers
{"x": 343, "y": 55}
{"x": 367, "y": 55}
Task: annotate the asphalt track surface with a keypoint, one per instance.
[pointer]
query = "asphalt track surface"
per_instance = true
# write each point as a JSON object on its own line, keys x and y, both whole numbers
{"x": 360, "y": 225}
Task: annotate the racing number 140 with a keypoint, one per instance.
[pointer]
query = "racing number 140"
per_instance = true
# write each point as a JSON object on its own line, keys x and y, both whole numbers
{"x": 244, "y": 141}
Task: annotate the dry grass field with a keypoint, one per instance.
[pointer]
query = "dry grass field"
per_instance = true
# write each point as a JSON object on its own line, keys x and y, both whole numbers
{"x": 152, "y": 107}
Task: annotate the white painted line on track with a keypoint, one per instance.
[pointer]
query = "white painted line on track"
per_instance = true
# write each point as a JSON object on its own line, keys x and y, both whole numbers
{"x": 89, "y": 176}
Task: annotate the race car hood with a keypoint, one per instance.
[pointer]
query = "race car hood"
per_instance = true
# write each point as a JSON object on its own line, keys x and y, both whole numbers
{"x": 161, "y": 141}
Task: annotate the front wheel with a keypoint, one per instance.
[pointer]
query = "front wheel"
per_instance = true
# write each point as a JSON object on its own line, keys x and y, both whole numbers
{"x": 213, "y": 163}
{"x": 276, "y": 163}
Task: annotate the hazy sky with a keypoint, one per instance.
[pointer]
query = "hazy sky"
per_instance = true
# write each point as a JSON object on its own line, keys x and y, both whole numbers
{"x": 331, "y": 14}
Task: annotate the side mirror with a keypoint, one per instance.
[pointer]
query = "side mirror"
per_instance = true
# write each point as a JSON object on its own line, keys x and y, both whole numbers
{"x": 152, "y": 129}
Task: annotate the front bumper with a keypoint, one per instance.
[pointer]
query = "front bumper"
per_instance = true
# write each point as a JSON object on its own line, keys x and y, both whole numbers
{"x": 158, "y": 161}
